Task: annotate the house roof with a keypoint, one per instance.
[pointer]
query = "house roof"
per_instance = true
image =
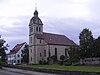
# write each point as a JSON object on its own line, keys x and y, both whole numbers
{"x": 16, "y": 49}
{"x": 55, "y": 39}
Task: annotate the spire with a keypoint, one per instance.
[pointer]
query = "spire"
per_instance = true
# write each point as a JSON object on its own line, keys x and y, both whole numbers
{"x": 35, "y": 6}
{"x": 36, "y": 12}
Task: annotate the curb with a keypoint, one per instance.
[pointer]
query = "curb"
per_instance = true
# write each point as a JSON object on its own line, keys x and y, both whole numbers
{"x": 54, "y": 71}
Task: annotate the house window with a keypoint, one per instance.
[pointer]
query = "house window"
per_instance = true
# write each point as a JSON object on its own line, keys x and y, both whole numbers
{"x": 22, "y": 51}
{"x": 18, "y": 61}
{"x": 40, "y": 54}
{"x": 44, "y": 53}
{"x": 14, "y": 61}
{"x": 21, "y": 55}
{"x": 56, "y": 52}
{"x": 18, "y": 55}
{"x": 15, "y": 56}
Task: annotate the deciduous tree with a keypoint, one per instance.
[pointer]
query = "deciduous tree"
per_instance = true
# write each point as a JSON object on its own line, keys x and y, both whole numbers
{"x": 25, "y": 58}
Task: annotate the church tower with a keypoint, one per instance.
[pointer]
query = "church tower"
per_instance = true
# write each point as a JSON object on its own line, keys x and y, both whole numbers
{"x": 35, "y": 28}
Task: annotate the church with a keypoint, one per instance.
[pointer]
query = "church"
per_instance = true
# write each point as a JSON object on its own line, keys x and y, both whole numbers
{"x": 43, "y": 45}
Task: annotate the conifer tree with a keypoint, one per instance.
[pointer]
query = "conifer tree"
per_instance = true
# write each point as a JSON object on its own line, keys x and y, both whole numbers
{"x": 86, "y": 42}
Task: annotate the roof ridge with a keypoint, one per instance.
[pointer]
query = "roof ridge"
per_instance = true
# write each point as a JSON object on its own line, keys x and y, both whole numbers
{"x": 53, "y": 34}
{"x": 16, "y": 48}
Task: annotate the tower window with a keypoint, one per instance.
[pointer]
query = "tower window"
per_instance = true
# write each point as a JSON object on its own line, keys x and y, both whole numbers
{"x": 36, "y": 28}
{"x": 31, "y": 29}
{"x": 40, "y": 40}
{"x": 31, "y": 50}
{"x": 39, "y": 29}
{"x": 40, "y": 54}
{"x": 30, "y": 39}
{"x": 38, "y": 21}
{"x": 66, "y": 52}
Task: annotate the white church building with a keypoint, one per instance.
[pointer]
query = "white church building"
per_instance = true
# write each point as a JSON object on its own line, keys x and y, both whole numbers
{"x": 43, "y": 45}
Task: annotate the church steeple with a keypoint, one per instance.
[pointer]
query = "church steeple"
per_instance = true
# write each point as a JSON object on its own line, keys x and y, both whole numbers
{"x": 36, "y": 13}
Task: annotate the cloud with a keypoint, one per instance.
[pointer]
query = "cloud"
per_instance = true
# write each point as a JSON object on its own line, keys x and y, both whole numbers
{"x": 71, "y": 27}
{"x": 14, "y": 29}
{"x": 66, "y": 17}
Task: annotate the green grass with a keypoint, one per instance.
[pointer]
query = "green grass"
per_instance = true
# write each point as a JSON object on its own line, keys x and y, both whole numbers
{"x": 72, "y": 68}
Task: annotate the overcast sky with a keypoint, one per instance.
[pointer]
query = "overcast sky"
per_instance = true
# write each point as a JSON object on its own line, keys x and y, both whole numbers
{"x": 66, "y": 17}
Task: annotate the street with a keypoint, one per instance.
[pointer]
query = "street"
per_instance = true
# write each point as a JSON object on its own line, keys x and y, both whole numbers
{"x": 11, "y": 71}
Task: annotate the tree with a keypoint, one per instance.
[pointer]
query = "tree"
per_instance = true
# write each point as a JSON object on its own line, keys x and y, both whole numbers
{"x": 96, "y": 47}
{"x": 62, "y": 58}
{"x": 25, "y": 58}
{"x": 2, "y": 50}
{"x": 86, "y": 42}
{"x": 54, "y": 58}
{"x": 74, "y": 54}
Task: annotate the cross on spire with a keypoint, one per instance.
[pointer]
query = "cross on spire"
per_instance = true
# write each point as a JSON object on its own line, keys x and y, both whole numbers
{"x": 35, "y": 6}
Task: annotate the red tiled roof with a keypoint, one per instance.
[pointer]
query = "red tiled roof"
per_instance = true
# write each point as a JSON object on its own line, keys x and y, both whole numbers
{"x": 16, "y": 48}
{"x": 55, "y": 39}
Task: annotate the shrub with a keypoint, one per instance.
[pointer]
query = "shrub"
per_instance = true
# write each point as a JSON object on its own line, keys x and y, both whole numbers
{"x": 40, "y": 62}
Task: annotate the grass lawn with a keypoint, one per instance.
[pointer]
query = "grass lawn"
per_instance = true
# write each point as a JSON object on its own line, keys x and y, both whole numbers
{"x": 73, "y": 68}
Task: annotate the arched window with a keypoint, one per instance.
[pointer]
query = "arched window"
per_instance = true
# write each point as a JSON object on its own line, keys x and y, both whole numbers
{"x": 31, "y": 29}
{"x": 44, "y": 53}
{"x": 56, "y": 52}
{"x": 66, "y": 51}
{"x": 40, "y": 54}
{"x": 37, "y": 29}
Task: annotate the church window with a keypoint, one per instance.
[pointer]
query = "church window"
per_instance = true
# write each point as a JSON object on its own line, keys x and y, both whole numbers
{"x": 31, "y": 50}
{"x": 56, "y": 52}
{"x": 36, "y": 28}
{"x": 40, "y": 54}
{"x": 44, "y": 53}
{"x": 66, "y": 51}
{"x": 31, "y": 58}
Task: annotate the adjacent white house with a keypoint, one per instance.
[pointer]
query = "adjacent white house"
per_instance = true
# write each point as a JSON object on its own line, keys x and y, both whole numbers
{"x": 15, "y": 55}
{"x": 43, "y": 45}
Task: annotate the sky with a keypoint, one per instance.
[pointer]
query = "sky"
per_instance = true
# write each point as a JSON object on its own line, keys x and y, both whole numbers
{"x": 66, "y": 17}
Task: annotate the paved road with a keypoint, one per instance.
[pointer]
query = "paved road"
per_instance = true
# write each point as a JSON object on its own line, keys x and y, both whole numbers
{"x": 11, "y": 71}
